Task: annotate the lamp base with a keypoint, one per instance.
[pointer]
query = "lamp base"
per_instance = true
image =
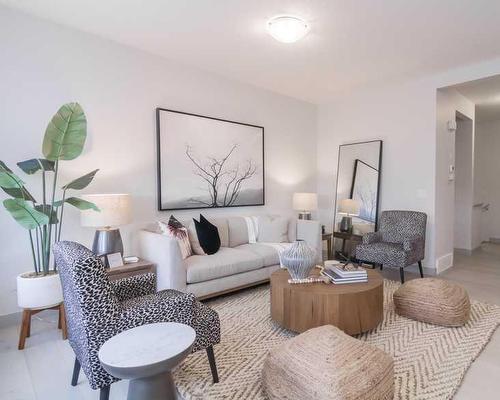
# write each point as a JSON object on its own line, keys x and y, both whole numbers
{"x": 107, "y": 241}
{"x": 346, "y": 224}
{"x": 305, "y": 215}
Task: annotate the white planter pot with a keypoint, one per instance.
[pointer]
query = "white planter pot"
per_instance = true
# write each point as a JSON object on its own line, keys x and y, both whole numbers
{"x": 38, "y": 291}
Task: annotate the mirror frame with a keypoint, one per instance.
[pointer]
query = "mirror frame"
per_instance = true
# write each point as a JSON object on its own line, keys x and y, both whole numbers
{"x": 378, "y": 180}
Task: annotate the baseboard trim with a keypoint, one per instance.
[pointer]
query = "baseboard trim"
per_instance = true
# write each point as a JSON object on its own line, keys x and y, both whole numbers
{"x": 443, "y": 263}
{"x": 10, "y": 319}
{"x": 463, "y": 252}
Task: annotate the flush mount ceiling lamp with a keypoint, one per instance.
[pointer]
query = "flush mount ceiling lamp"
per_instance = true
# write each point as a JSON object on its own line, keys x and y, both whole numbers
{"x": 287, "y": 29}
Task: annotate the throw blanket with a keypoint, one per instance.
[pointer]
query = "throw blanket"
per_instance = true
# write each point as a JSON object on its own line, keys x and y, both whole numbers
{"x": 253, "y": 229}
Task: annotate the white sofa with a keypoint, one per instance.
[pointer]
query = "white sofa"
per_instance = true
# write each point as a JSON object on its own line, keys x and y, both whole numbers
{"x": 236, "y": 265}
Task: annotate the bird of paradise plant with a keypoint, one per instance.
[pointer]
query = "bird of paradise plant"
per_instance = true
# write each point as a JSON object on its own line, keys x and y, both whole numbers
{"x": 64, "y": 140}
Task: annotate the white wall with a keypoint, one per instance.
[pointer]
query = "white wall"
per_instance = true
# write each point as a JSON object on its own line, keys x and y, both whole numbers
{"x": 416, "y": 152}
{"x": 45, "y": 65}
{"x": 488, "y": 173}
{"x": 393, "y": 114}
{"x": 448, "y": 102}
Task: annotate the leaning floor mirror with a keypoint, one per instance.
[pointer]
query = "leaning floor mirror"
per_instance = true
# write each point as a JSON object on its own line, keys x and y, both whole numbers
{"x": 357, "y": 193}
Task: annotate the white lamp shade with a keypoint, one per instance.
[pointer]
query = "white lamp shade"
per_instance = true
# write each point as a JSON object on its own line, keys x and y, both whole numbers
{"x": 115, "y": 210}
{"x": 349, "y": 206}
{"x": 305, "y": 201}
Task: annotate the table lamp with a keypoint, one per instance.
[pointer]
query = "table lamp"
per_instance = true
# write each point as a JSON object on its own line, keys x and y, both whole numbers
{"x": 116, "y": 210}
{"x": 348, "y": 208}
{"x": 305, "y": 203}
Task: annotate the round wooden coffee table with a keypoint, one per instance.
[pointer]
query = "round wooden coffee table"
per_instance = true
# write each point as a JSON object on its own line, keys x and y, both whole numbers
{"x": 354, "y": 307}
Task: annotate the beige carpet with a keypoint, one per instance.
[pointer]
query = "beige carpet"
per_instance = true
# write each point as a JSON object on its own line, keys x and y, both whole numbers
{"x": 430, "y": 361}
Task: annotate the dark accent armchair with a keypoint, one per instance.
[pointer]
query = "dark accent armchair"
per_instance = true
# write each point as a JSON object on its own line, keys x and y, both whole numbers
{"x": 97, "y": 309}
{"x": 399, "y": 242}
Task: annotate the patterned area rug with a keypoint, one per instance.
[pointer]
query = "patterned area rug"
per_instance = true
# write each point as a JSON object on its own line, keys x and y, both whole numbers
{"x": 430, "y": 361}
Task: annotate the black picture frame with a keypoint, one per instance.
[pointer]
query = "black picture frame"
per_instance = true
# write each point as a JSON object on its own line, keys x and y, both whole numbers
{"x": 354, "y": 176}
{"x": 158, "y": 164}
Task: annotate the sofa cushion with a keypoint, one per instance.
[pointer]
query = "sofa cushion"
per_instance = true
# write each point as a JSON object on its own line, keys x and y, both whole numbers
{"x": 222, "y": 227}
{"x": 273, "y": 229}
{"x": 238, "y": 231}
{"x": 225, "y": 262}
{"x": 269, "y": 253}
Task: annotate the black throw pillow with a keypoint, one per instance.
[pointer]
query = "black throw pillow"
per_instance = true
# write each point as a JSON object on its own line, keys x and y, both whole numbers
{"x": 208, "y": 235}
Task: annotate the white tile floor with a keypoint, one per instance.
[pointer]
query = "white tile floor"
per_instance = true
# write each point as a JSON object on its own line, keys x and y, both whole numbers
{"x": 43, "y": 370}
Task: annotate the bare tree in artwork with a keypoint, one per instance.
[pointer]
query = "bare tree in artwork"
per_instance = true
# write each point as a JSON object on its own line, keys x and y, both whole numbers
{"x": 223, "y": 182}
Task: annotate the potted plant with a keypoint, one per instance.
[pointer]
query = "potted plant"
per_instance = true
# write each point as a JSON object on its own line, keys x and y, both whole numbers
{"x": 64, "y": 140}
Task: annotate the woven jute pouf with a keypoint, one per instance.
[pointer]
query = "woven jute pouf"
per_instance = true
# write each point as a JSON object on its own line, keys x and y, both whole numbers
{"x": 434, "y": 301}
{"x": 326, "y": 364}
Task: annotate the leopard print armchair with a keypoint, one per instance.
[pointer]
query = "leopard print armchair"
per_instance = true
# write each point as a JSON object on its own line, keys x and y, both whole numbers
{"x": 399, "y": 242}
{"x": 97, "y": 309}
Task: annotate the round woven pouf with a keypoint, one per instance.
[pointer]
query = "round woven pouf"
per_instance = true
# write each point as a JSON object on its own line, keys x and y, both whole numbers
{"x": 326, "y": 364}
{"x": 434, "y": 301}
{"x": 146, "y": 355}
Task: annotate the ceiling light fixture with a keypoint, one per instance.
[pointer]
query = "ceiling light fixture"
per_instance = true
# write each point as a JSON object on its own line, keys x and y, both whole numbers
{"x": 287, "y": 29}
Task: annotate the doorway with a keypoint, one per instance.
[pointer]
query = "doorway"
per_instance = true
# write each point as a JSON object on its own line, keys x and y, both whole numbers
{"x": 464, "y": 221}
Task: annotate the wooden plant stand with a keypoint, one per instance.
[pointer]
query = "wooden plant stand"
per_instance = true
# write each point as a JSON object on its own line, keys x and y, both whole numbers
{"x": 26, "y": 323}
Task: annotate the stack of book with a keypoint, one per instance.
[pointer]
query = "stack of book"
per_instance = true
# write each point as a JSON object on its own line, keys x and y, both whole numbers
{"x": 341, "y": 273}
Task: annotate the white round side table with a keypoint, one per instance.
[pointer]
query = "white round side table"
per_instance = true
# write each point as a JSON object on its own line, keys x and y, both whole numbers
{"x": 146, "y": 356}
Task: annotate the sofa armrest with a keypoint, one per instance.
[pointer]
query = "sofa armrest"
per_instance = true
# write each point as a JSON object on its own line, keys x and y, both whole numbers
{"x": 134, "y": 286}
{"x": 166, "y": 254}
{"x": 372, "y": 237}
{"x": 310, "y": 232}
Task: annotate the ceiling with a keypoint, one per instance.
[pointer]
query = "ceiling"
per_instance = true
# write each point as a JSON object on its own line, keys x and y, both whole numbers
{"x": 351, "y": 43}
{"x": 485, "y": 93}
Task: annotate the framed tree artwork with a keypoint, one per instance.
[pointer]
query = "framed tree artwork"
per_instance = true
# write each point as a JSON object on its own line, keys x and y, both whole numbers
{"x": 206, "y": 162}
{"x": 365, "y": 189}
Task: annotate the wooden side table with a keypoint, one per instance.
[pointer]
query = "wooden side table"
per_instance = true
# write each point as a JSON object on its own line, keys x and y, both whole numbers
{"x": 352, "y": 238}
{"x": 131, "y": 269}
{"x": 329, "y": 239}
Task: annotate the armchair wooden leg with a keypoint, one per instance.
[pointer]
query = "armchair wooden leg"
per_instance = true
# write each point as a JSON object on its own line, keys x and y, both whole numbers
{"x": 402, "y": 274}
{"x": 213, "y": 366}
{"x": 381, "y": 267}
{"x": 104, "y": 393}
{"x": 76, "y": 372}
{"x": 421, "y": 269}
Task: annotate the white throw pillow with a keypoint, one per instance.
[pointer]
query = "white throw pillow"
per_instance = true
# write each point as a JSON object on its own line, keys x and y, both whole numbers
{"x": 176, "y": 230}
{"x": 273, "y": 229}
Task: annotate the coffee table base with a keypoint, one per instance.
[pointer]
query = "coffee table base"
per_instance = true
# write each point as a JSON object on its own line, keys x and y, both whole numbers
{"x": 157, "y": 387}
{"x": 354, "y": 308}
